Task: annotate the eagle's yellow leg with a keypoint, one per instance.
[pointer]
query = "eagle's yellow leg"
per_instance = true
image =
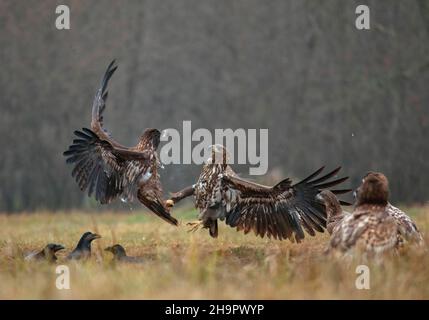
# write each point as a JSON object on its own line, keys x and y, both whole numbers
{"x": 194, "y": 225}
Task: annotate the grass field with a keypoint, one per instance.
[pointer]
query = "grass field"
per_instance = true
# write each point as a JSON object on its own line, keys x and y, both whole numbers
{"x": 193, "y": 265}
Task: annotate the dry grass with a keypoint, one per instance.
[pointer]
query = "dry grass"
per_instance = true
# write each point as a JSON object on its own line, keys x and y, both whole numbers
{"x": 193, "y": 266}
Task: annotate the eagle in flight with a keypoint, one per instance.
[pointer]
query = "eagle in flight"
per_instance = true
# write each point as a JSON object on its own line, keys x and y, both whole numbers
{"x": 282, "y": 211}
{"x": 109, "y": 170}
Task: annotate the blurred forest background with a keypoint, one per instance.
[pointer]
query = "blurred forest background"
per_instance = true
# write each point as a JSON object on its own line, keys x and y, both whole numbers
{"x": 328, "y": 93}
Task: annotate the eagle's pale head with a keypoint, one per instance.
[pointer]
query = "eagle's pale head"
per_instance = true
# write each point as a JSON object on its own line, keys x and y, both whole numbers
{"x": 218, "y": 154}
{"x": 373, "y": 190}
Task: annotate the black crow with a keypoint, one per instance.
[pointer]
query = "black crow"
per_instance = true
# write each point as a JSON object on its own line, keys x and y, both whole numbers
{"x": 119, "y": 254}
{"x": 83, "y": 248}
{"x": 47, "y": 253}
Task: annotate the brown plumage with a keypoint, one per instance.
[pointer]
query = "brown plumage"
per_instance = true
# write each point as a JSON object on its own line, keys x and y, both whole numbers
{"x": 406, "y": 225}
{"x": 408, "y": 230}
{"x": 334, "y": 212}
{"x": 110, "y": 170}
{"x": 282, "y": 211}
{"x": 370, "y": 229}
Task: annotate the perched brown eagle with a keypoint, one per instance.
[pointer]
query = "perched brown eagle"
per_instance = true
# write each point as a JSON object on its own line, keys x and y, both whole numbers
{"x": 373, "y": 212}
{"x": 110, "y": 170}
{"x": 282, "y": 211}
{"x": 372, "y": 228}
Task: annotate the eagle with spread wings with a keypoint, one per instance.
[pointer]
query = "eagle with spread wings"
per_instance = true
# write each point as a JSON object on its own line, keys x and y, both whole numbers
{"x": 282, "y": 211}
{"x": 108, "y": 170}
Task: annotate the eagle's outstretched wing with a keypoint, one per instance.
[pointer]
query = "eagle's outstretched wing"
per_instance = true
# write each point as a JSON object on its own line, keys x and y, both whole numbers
{"x": 281, "y": 211}
{"x": 102, "y": 169}
{"x": 99, "y": 105}
{"x": 101, "y": 165}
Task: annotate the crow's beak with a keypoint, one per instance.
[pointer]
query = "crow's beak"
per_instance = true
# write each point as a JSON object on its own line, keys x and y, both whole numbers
{"x": 108, "y": 249}
{"x": 95, "y": 236}
{"x": 58, "y": 248}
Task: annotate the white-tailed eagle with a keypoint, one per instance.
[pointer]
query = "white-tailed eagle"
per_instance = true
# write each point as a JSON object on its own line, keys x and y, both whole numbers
{"x": 282, "y": 211}
{"x": 108, "y": 170}
{"x": 375, "y": 226}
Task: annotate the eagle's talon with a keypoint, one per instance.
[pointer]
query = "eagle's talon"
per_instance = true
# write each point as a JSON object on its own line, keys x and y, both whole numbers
{"x": 194, "y": 225}
{"x": 169, "y": 203}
